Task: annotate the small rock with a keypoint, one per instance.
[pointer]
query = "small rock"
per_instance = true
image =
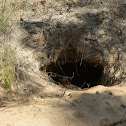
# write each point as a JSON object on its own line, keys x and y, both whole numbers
{"x": 97, "y": 92}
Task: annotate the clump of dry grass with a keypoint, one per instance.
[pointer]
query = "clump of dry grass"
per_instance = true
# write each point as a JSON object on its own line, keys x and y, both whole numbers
{"x": 7, "y": 68}
{"x": 3, "y": 17}
{"x": 7, "y": 65}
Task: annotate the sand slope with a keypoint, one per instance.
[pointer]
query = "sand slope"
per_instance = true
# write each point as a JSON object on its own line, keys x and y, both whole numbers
{"x": 98, "y": 106}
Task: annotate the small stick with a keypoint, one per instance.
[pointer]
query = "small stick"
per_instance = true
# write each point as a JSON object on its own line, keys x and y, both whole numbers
{"x": 83, "y": 84}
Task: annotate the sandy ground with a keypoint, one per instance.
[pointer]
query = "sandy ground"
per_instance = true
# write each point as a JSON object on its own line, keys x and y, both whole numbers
{"x": 48, "y": 104}
{"x": 98, "y": 106}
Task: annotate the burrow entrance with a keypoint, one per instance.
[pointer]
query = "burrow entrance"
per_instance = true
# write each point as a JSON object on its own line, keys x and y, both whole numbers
{"x": 78, "y": 73}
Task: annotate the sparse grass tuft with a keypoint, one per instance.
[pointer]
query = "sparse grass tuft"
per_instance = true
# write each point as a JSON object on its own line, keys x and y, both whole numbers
{"x": 3, "y": 19}
{"x": 4, "y": 16}
{"x": 7, "y": 65}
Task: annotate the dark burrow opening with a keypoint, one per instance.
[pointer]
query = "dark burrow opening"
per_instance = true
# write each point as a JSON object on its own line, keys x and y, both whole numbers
{"x": 78, "y": 74}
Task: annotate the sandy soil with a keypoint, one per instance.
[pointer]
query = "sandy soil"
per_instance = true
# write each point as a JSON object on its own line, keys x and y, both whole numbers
{"x": 42, "y": 103}
{"x": 98, "y": 106}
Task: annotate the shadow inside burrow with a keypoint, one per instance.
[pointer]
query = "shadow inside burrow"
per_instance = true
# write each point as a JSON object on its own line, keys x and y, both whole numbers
{"x": 83, "y": 75}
